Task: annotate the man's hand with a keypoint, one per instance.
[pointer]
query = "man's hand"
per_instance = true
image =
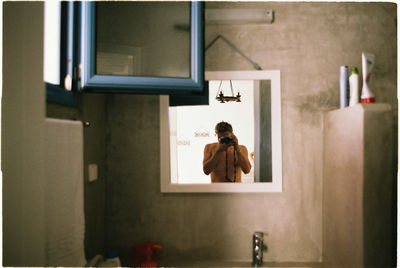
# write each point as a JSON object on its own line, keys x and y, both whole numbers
{"x": 235, "y": 141}
{"x": 222, "y": 147}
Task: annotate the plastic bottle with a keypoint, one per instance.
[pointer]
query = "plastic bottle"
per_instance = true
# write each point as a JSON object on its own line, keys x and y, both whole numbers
{"x": 112, "y": 259}
{"x": 145, "y": 254}
{"x": 353, "y": 83}
{"x": 344, "y": 86}
{"x": 367, "y": 64}
{"x": 150, "y": 261}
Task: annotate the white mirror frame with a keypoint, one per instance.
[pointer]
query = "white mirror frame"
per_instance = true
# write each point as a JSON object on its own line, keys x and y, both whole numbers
{"x": 276, "y": 139}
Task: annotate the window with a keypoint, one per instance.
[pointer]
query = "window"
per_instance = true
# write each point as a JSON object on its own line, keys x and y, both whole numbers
{"x": 161, "y": 53}
{"x": 58, "y": 53}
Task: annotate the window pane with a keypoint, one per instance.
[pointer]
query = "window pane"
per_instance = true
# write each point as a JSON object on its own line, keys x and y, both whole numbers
{"x": 52, "y": 28}
{"x": 143, "y": 38}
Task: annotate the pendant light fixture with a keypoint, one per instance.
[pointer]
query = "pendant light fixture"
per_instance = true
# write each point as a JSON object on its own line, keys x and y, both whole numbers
{"x": 222, "y": 98}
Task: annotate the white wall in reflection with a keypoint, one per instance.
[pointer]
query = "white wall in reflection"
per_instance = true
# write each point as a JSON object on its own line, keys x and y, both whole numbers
{"x": 192, "y": 127}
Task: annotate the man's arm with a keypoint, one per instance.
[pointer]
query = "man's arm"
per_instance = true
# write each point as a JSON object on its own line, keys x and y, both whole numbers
{"x": 243, "y": 158}
{"x": 242, "y": 153}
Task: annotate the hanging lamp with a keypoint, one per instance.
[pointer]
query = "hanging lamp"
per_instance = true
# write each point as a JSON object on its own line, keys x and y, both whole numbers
{"x": 222, "y": 98}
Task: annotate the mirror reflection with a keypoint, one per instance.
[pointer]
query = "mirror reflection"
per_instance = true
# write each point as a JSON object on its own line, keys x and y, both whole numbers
{"x": 222, "y": 142}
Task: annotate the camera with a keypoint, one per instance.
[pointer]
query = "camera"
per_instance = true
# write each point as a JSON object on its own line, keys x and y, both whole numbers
{"x": 225, "y": 139}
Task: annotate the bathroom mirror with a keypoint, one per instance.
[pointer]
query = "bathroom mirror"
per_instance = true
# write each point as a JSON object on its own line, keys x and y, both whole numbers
{"x": 256, "y": 121}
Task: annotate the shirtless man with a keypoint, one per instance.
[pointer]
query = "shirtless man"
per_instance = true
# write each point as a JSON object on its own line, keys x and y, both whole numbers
{"x": 225, "y": 159}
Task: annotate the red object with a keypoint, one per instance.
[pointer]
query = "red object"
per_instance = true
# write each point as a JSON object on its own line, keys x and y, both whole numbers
{"x": 368, "y": 100}
{"x": 145, "y": 255}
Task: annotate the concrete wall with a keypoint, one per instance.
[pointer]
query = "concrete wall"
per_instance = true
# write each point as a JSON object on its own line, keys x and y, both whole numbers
{"x": 307, "y": 42}
{"x": 23, "y": 113}
{"x": 359, "y": 201}
{"x": 22, "y": 134}
{"x": 92, "y": 109}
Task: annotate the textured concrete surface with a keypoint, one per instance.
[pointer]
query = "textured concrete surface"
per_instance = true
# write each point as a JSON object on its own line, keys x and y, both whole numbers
{"x": 92, "y": 109}
{"x": 359, "y": 201}
{"x": 23, "y": 112}
{"x": 22, "y": 136}
{"x": 307, "y": 43}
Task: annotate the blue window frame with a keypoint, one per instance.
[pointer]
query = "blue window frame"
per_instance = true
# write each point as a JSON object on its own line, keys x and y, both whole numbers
{"x": 59, "y": 52}
{"x": 91, "y": 81}
{"x": 191, "y": 98}
{"x": 76, "y": 22}
{"x": 57, "y": 94}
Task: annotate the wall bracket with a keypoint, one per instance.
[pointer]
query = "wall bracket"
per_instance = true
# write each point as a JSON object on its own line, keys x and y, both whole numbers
{"x": 255, "y": 65}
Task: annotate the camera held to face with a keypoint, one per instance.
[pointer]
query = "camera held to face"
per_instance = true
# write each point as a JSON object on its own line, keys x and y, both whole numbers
{"x": 225, "y": 139}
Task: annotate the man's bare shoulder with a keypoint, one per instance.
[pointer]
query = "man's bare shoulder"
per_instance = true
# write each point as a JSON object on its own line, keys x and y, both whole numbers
{"x": 210, "y": 146}
{"x": 242, "y": 147}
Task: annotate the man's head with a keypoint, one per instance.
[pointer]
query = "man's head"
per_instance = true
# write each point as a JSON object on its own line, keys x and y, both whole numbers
{"x": 223, "y": 129}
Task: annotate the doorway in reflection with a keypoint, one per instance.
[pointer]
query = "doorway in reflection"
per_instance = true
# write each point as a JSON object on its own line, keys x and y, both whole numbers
{"x": 192, "y": 127}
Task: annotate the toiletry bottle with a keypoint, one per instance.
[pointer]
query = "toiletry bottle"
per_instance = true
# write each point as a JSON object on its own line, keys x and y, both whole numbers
{"x": 112, "y": 259}
{"x": 367, "y": 64}
{"x": 150, "y": 250}
{"x": 95, "y": 261}
{"x": 145, "y": 254}
{"x": 344, "y": 86}
{"x": 353, "y": 83}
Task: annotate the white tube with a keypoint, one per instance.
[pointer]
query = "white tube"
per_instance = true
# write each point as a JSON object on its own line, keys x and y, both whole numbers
{"x": 344, "y": 86}
{"x": 353, "y": 82}
{"x": 368, "y": 61}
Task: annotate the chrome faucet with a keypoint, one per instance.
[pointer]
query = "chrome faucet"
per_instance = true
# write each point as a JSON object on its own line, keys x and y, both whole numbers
{"x": 258, "y": 238}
